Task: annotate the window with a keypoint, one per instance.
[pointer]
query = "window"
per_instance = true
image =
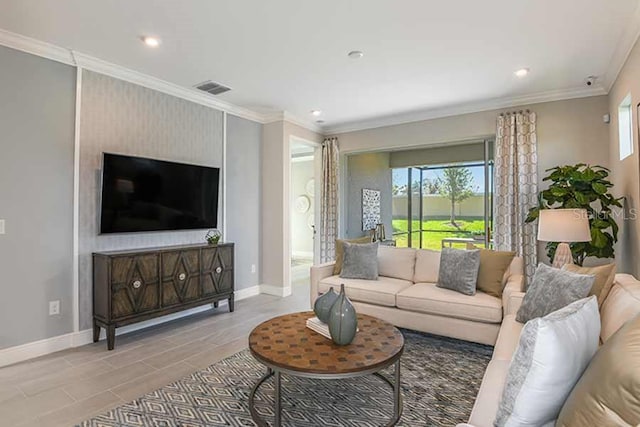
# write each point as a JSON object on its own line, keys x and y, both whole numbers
{"x": 443, "y": 205}
{"x": 625, "y": 128}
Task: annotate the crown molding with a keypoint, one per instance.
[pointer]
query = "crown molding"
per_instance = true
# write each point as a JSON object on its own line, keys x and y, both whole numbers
{"x": 91, "y": 63}
{"x": 286, "y": 116}
{"x": 36, "y": 47}
{"x": 88, "y": 62}
{"x": 74, "y": 58}
{"x": 97, "y": 65}
{"x": 623, "y": 50}
{"x": 468, "y": 108}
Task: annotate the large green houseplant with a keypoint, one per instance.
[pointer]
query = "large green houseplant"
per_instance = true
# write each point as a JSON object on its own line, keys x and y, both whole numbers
{"x": 586, "y": 187}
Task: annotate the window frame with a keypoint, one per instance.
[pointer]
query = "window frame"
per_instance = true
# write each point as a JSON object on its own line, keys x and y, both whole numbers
{"x": 625, "y": 127}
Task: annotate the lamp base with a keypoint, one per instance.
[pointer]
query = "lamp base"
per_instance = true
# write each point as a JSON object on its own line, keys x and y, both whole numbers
{"x": 563, "y": 256}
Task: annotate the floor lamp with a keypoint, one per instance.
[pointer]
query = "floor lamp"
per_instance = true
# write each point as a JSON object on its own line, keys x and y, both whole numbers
{"x": 564, "y": 226}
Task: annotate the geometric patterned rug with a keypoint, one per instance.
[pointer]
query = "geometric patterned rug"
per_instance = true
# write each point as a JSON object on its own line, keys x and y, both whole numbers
{"x": 440, "y": 379}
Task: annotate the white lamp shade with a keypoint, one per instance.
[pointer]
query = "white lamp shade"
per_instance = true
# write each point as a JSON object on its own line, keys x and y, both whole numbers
{"x": 564, "y": 225}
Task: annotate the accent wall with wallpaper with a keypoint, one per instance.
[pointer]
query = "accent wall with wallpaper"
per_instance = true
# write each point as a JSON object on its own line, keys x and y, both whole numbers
{"x": 37, "y": 186}
{"x": 124, "y": 118}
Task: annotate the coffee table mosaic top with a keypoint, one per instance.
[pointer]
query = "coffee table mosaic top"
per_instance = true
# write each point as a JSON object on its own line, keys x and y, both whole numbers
{"x": 285, "y": 342}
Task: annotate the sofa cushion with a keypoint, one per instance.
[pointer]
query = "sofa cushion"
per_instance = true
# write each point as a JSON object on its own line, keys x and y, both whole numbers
{"x": 552, "y": 354}
{"x": 428, "y": 298}
{"x": 381, "y": 292}
{"x": 493, "y": 266}
{"x": 360, "y": 261}
{"x": 508, "y": 338}
{"x": 396, "y": 262}
{"x": 552, "y": 289}
{"x": 427, "y": 266}
{"x": 337, "y": 267}
{"x": 604, "y": 276}
{"x": 608, "y": 394}
{"x": 622, "y": 304}
{"x": 459, "y": 270}
{"x": 488, "y": 398}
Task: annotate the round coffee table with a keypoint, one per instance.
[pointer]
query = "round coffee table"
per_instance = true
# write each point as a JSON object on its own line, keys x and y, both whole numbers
{"x": 286, "y": 346}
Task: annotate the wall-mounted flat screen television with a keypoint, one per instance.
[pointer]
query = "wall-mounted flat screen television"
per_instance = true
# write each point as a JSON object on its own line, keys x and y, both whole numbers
{"x": 140, "y": 194}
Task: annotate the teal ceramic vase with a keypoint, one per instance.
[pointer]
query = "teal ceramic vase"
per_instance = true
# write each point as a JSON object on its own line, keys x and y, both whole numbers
{"x": 343, "y": 322}
{"x": 323, "y": 305}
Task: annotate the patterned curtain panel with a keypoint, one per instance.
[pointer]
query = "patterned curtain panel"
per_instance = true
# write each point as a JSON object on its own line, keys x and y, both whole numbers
{"x": 329, "y": 202}
{"x": 516, "y": 186}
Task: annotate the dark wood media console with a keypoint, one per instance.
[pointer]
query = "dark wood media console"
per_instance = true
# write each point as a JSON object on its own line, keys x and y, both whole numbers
{"x": 135, "y": 285}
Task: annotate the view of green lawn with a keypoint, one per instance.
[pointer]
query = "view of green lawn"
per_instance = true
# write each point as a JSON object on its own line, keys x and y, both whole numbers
{"x": 436, "y": 230}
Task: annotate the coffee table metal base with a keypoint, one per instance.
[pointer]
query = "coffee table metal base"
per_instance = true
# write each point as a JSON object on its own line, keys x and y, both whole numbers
{"x": 272, "y": 372}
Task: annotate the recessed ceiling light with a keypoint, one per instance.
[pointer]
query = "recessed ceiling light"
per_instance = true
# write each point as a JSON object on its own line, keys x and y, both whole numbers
{"x": 522, "y": 72}
{"x": 151, "y": 41}
{"x": 316, "y": 112}
{"x": 355, "y": 54}
{"x": 319, "y": 121}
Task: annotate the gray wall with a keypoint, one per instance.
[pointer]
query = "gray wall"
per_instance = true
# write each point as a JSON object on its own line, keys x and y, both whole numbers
{"x": 121, "y": 117}
{"x": 244, "y": 147}
{"x": 437, "y": 155}
{"x": 370, "y": 170}
{"x": 36, "y": 196}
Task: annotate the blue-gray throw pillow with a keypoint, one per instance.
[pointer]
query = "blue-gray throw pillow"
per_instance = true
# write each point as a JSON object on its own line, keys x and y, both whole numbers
{"x": 360, "y": 261}
{"x": 552, "y": 289}
{"x": 459, "y": 270}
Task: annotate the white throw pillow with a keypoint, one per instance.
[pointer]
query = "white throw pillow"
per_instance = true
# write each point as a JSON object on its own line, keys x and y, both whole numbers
{"x": 396, "y": 262}
{"x": 552, "y": 354}
{"x": 427, "y": 266}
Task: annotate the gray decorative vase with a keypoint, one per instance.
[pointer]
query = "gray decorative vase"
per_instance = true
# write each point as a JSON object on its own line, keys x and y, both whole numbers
{"x": 323, "y": 305}
{"x": 343, "y": 322}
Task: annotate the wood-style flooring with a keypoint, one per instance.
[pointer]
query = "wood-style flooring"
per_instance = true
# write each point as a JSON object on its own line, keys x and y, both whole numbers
{"x": 64, "y": 388}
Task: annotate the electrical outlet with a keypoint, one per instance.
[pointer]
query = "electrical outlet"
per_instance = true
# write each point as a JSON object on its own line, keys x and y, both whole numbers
{"x": 1, "y": 226}
{"x": 54, "y": 307}
{"x": 253, "y": 268}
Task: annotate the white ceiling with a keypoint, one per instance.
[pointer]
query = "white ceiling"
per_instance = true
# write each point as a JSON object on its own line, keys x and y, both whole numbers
{"x": 291, "y": 55}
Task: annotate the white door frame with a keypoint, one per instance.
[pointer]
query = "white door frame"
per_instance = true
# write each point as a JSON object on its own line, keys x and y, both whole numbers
{"x": 317, "y": 161}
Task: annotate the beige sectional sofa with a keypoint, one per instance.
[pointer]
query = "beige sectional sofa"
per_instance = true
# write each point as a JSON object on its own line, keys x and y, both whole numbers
{"x": 622, "y": 304}
{"x": 406, "y": 295}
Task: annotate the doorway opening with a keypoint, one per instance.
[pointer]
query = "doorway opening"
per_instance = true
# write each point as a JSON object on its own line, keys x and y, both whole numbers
{"x": 303, "y": 208}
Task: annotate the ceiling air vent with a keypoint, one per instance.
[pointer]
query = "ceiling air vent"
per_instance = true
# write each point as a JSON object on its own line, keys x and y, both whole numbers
{"x": 212, "y": 87}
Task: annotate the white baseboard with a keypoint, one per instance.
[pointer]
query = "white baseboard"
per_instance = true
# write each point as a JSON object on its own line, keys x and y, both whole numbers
{"x": 278, "y": 291}
{"x": 20, "y": 353}
{"x": 247, "y": 292}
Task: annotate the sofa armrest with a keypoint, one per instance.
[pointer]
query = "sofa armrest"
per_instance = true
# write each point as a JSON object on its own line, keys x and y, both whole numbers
{"x": 514, "y": 303}
{"x": 515, "y": 284}
{"x": 319, "y": 272}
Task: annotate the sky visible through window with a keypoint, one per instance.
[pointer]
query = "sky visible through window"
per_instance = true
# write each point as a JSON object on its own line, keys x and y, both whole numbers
{"x": 399, "y": 176}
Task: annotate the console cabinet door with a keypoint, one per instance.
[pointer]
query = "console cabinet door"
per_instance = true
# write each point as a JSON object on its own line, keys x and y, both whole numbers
{"x": 180, "y": 277}
{"x": 217, "y": 271}
{"x": 134, "y": 285}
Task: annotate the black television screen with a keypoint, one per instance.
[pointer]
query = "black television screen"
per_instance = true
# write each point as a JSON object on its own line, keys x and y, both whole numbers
{"x": 141, "y": 194}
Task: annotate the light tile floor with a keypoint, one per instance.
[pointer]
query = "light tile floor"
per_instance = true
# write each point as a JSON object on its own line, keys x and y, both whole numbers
{"x": 64, "y": 388}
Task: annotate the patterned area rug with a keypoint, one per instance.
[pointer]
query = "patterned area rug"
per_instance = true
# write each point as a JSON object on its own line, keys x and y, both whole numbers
{"x": 440, "y": 379}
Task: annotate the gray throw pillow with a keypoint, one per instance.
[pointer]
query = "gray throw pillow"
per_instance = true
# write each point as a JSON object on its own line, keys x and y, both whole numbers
{"x": 459, "y": 270}
{"x": 550, "y": 290}
{"x": 360, "y": 261}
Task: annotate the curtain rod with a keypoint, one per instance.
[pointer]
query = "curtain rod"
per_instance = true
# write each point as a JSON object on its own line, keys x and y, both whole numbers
{"x": 515, "y": 112}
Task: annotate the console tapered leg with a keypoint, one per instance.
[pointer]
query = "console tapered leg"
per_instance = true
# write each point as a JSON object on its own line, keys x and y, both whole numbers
{"x": 96, "y": 332}
{"x": 111, "y": 337}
